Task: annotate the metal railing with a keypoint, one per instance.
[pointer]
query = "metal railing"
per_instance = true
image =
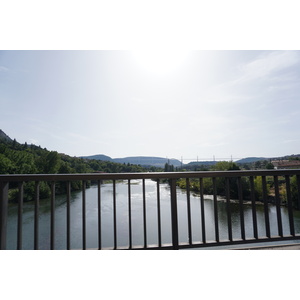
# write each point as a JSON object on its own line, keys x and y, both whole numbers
{"x": 171, "y": 178}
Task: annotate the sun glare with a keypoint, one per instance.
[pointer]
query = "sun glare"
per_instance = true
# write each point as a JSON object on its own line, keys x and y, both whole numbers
{"x": 161, "y": 61}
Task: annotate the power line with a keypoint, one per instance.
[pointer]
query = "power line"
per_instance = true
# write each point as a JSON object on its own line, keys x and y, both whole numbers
{"x": 210, "y": 159}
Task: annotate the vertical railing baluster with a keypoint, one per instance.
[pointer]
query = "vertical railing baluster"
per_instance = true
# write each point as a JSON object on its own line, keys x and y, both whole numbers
{"x": 174, "y": 214}
{"x": 68, "y": 215}
{"x": 52, "y": 225}
{"x": 228, "y": 209}
{"x": 144, "y": 214}
{"x": 241, "y": 204}
{"x": 3, "y": 213}
{"x": 216, "y": 209}
{"x": 158, "y": 213}
{"x": 115, "y": 213}
{"x": 290, "y": 205}
{"x": 266, "y": 210}
{"x": 254, "y": 218}
{"x": 129, "y": 215}
{"x": 20, "y": 215}
{"x": 202, "y": 212}
{"x": 278, "y": 209}
{"x": 189, "y": 219}
{"x": 99, "y": 216}
{"x": 36, "y": 215}
{"x": 298, "y": 191}
{"x": 84, "y": 215}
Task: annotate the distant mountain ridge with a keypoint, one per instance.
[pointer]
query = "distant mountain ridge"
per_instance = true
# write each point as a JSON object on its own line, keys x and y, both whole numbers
{"x": 98, "y": 157}
{"x": 160, "y": 161}
{"x": 138, "y": 160}
{"x": 250, "y": 160}
{"x": 156, "y": 161}
{"x": 148, "y": 161}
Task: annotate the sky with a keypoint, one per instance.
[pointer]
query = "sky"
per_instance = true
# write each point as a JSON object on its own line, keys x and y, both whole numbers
{"x": 185, "y": 80}
{"x": 169, "y": 103}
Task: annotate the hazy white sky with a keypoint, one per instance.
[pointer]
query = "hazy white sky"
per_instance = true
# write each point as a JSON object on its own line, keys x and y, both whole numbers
{"x": 165, "y": 102}
{"x": 159, "y": 103}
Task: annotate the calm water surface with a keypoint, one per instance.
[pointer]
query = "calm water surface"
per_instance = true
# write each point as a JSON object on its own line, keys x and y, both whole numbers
{"x": 137, "y": 218}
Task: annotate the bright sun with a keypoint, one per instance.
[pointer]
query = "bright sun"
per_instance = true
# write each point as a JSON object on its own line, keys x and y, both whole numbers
{"x": 161, "y": 61}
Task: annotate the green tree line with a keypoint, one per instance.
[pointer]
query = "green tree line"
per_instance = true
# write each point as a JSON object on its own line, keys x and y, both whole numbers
{"x": 18, "y": 158}
{"x": 246, "y": 187}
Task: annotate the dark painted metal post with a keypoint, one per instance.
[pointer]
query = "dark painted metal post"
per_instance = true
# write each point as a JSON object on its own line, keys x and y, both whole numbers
{"x": 3, "y": 213}
{"x": 52, "y": 221}
{"x": 278, "y": 209}
{"x": 20, "y": 215}
{"x": 255, "y": 232}
{"x": 99, "y": 215}
{"x": 144, "y": 214}
{"x": 298, "y": 190}
{"x": 228, "y": 209}
{"x": 129, "y": 215}
{"x": 240, "y": 191}
{"x": 36, "y": 215}
{"x": 158, "y": 213}
{"x": 115, "y": 213}
{"x": 68, "y": 215}
{"x": 214, "y": 180}
{"x": 189, "y": 211}
{"x": 290, "y": 205}
{"x": 174, "y": 216}
{"x": 83, "y": 215}
{"x": 265, "y": 199}
{"x": 202, "y": 212}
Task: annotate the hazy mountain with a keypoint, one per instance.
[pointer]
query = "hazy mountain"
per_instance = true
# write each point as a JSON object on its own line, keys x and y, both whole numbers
{"x": 98, "y": 157}
{"x": 250, "y": 160}
{"x": 148, "y": 161}
{"x": 138, "y": 160}
{"x": 204, "y": 163}
{"x": 155, "y": 161}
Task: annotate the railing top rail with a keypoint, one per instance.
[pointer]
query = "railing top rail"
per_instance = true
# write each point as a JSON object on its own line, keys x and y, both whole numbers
{"x": 149, "y": 175}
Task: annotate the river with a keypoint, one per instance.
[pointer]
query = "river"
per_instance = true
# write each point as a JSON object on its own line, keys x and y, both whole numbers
{"x": 137, "y": 218}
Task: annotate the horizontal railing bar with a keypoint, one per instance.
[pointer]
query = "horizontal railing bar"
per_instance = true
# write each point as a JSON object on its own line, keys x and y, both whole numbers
{"x": 150, "y": 175}
{"x": 241, "y": 242}
{"x": 213, "y": 244}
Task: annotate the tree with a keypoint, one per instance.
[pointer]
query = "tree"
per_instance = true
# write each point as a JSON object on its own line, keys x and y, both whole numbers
{"x": 6, "y": 165}
{"x": 49, "y": 162}
{"x": 269, "y": 166}
{"x": 225, "y": 166}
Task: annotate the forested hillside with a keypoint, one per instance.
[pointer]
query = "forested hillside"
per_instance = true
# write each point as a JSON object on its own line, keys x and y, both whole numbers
{"x": 16, "y": 158}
